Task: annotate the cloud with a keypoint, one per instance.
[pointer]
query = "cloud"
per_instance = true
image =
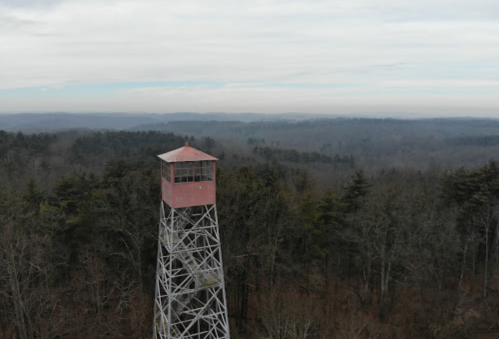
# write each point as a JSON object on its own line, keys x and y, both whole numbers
{"x": 307, "y": 44}
{"x": 30, "y": 3}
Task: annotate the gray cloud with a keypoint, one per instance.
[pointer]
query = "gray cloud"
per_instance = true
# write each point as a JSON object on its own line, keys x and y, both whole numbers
{"x": 38, "y": 4}
{"x": 371, "y": 45}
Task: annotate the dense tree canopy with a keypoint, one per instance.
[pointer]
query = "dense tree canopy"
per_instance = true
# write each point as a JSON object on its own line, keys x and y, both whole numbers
{"x": 398, "y": 253}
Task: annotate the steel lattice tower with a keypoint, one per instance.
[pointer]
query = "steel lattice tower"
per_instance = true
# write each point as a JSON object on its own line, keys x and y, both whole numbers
{"x": 190, "y": 296}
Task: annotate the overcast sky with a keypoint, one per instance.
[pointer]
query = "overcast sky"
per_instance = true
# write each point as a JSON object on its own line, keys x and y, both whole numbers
{"x": 434, "y": 57}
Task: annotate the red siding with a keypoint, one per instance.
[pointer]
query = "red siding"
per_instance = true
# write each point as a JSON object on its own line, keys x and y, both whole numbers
{"x": 187, "y": 194}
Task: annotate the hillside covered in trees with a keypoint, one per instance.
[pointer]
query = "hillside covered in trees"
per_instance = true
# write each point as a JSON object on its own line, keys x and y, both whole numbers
{"x": 316, "y": 243}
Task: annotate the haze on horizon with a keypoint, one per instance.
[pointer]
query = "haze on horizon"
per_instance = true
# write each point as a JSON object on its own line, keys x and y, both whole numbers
{"x": 428, "y": 57}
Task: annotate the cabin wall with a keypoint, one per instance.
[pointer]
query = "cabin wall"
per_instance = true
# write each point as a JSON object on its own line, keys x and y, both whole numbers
{"x": 188, "y": 194}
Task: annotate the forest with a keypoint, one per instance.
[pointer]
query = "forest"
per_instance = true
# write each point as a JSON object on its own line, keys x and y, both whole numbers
{"x": 327, "y": 231}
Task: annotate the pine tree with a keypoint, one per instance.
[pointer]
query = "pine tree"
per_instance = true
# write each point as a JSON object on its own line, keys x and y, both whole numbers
{"x": 356, "y": 191}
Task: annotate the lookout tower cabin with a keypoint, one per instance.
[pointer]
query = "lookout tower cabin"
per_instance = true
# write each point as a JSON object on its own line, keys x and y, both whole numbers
{"x": 187, "y": 177}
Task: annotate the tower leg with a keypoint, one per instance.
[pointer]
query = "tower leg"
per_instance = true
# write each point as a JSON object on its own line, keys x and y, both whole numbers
{"x": 190, "y": 297}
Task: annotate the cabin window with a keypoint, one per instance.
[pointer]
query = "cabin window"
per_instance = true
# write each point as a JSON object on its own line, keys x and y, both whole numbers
{"x": 183, "y": 171}
{"x": 193, "y": 171}
{"x": 165, "y": 170}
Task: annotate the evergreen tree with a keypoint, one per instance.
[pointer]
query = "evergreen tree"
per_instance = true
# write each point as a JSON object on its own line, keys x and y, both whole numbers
{"x": 355, "y": 191}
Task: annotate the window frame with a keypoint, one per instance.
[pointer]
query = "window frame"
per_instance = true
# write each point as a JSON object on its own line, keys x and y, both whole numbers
{"x": 193, "y": 171}
{"x": 166, "y": 170}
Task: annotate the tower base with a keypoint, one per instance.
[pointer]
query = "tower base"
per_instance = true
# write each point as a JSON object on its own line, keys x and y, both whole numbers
{"x": 190, "y": 297}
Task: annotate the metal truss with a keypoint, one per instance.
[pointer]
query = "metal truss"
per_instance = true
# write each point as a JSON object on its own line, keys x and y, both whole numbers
{"x": 190, "y": 296}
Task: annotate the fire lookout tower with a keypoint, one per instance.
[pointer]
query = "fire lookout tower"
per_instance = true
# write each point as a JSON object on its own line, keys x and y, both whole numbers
{"x": 190, "y": 298}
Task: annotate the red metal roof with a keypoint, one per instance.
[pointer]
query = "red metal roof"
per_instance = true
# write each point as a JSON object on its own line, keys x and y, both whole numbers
{"x": 186, "y": 153}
